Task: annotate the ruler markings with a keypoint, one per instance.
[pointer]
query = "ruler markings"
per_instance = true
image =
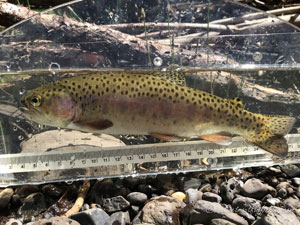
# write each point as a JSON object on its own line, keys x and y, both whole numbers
{"x": 171, "y": 151}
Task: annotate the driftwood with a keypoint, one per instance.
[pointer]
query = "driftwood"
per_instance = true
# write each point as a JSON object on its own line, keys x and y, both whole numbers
{"x": 101, "y": 43}
{"x": 11, "y": 14}
{"x": 127, "y": 44}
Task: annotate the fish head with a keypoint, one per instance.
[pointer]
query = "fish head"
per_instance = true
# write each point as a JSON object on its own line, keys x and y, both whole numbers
{"x": 49, "y": 105}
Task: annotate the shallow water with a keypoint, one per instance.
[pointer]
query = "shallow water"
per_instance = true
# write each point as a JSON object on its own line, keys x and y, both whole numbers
{"x": 266, "y": 92}
{"x": 240, "y": 53}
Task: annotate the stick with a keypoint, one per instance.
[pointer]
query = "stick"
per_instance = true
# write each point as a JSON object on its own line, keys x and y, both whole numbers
{"x": 80, "y": 199}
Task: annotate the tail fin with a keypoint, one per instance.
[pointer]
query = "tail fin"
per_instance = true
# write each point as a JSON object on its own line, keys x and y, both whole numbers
{"x": 280, "y": 125}
{"x": 271, "y": 138}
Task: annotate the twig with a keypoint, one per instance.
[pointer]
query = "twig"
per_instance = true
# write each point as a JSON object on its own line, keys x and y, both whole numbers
{"x": 288, "y": 10}
{"x": 255, "y": 16}
{"x": 152, "y": 34}
{"x": 80, "y": 199}
{"x": 126, "y": 26}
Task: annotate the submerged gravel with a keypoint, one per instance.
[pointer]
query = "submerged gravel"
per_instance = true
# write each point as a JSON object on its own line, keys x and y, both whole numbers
{"x": 260, "y": 196}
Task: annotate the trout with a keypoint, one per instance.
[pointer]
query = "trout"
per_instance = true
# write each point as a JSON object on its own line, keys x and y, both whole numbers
{"x": 146, "y": 104}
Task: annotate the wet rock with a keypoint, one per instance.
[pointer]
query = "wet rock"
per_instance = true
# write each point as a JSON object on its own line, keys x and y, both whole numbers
{"x": 55, "y": 139}
{"x": 258, "y": 222}
{"x": 137, "y": 198}
{"x": 205, "y": 188}
{"x": 296, "y": 181}
{"x": 131, "y": 182}
{"x": 291, "y": 170}
{"x": 211, "y": 197}
{"x": 94, "y": 216}
{"x": 13, "y": 222}
{"x": 278, "y": 216}
{"x": 146, "y": 188}
{"x": 119, "y": 218}
{"x": 179, "y": 195}
{"x": 274, "y": 181}
{"x": 25, "y": 190}
{"x": 56, "y": 221}
{"x": 292, "y": 202}
{"x": 275, "y": 170}
{"x": 33, "y": 205}
{"x": 134, "y": 210}
{"x": 204, "y": 211}
{"x": 297, "y": 192}
{"x": 250, "y": 218}
{"x": 160, "y": 210}
{"x": 282, "y": 193}
{"x": 5, "y": 197}
{"x": 115, "y": 204}
{"x": 188, "y": 183}
{"x": 104, "y": 188}
{"x": 272, "y": 201}
{"x": 16, "y": 200}
{"x": 250, "y": 205}
{"x": 268, "y": 196}
{"x": 220, "y": 222}
{"x": 283, "y": 185}
{"x": 52, "y": 190}
{"x": 229, "y": 189}
{"x": 254, "y": 188}
{"x": 193, "y": 195}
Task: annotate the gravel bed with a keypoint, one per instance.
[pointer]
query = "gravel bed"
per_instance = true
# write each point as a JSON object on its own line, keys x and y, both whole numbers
{"x": 258, "y": 196}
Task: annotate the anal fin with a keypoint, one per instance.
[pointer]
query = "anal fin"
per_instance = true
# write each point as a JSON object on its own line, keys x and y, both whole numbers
{"x": 219, "y": 138}
{"x": 276, "y": 145}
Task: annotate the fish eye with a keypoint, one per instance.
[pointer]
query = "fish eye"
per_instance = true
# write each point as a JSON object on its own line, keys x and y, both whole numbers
{"x": 36, "y": 100}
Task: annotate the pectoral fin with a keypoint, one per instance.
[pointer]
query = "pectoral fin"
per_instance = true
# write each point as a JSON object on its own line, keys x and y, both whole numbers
{"x": 94, "y": 125}
{"x": 218, "y": 138}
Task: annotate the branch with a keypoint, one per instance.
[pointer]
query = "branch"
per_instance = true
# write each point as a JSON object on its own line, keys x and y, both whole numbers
{"x": 11, "y": 14}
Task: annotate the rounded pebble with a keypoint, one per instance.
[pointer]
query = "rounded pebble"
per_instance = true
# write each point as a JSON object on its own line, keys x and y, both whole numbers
{"x": 137, "y": 198}
{"x": 179, "y": 195}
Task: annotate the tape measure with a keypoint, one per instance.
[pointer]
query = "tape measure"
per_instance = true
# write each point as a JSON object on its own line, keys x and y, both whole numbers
{"x": 96, "y": 162}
